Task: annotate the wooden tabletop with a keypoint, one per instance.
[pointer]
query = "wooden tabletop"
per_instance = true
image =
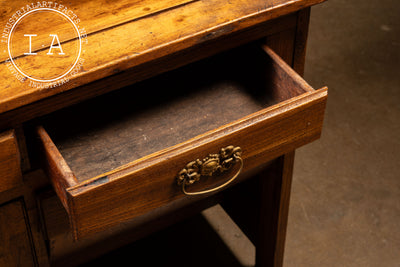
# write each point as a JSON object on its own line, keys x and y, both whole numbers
{"x": 115, "y": 36}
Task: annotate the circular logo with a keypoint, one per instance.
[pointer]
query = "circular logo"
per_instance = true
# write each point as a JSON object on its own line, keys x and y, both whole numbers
{"x": 44, "y": 44}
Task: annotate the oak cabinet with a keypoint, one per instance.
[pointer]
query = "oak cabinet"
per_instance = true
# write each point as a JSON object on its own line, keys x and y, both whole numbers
{"x": 195, "y": 103}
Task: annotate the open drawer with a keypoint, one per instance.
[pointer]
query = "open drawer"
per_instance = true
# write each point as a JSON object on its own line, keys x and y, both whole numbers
{"x": 130, "y": 152}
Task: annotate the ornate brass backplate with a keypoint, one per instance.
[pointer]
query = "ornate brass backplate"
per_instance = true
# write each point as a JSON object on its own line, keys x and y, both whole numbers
{"x": 210, "y": 165}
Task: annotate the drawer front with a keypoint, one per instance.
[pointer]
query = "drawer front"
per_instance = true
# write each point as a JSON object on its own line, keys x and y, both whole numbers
{"x": 150, "y": 183}
{"x": 10, "y": 168}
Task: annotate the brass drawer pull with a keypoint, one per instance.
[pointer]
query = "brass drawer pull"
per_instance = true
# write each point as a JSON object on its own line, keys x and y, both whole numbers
{"x": 210, "y": 165}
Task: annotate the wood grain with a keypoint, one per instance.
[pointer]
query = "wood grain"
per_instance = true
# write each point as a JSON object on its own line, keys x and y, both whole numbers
{"x": 139, "y": 73}
{"x": 56, "y": 167}
{"x": 244, "y": 204}
{"x": 155, "y": 37}
{"x": 151, "y": 183}
{"x": 93, "y": 16}
{"x": 143, "y": 188}
{"x": 303, "y": 19}
{"x": 16, "y": 247}
{"x": 10, "y": 164}
{"x": 263, "y": 136}
{"x": 189, "y": 101}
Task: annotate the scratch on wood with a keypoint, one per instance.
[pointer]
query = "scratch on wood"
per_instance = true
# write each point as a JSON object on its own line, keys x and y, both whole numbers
{"x": 98, "y": 181}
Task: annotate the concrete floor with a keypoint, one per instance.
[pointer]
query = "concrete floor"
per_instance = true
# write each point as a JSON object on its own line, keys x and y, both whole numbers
{"x": 345, "y": 204}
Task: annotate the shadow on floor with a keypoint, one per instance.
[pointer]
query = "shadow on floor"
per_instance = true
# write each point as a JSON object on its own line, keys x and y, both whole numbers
{"x": 192, "y": 242}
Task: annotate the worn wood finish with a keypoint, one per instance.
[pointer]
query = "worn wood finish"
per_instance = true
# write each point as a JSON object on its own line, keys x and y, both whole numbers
{"x": 263, "y": 136}
{"x": 10, "y": 163}
{"x": 249, "y": 205}
{"x": 243, "y": 204}
{"x": 139, "y": 73}
{"x": 56, "y": 166}
{"x": 16, "y": 245}
{"x": 94, "y": 16}
{"x": 222, "y": 89}
{"x": 64, "y": 251}
{"x": 155, "y": 36}
{"x": 272, "y": 221}
{"x": 166, "y": 35}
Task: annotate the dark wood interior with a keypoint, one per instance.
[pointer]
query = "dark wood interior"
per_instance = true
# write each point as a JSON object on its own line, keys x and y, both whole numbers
{"x": 120, "y": 127}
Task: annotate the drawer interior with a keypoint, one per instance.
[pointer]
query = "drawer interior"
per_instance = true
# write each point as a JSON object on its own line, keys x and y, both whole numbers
{"x": 105, "y": 133}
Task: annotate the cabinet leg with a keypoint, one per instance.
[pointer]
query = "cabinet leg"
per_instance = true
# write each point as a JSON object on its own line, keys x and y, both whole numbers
{"x": 275, "y": 183}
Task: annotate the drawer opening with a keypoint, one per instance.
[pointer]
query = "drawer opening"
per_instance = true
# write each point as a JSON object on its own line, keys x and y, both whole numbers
{"x": 110, "y": 131}
{"x": 116, "y": 157}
